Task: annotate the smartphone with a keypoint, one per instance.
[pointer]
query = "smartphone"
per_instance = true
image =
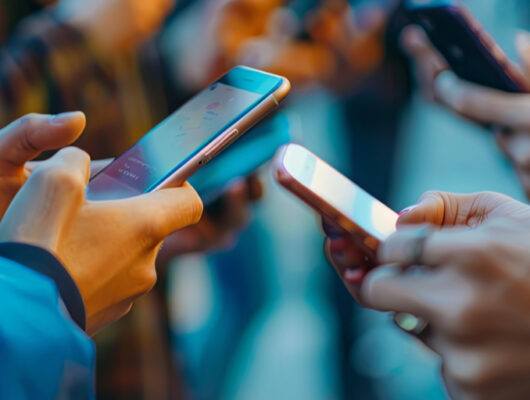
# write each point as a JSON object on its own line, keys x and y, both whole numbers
{"x": 334, "y": 196}
{"x": 253, "y": 150}
{"x": 468, "y": 49}
{"x": 192, "y": 136}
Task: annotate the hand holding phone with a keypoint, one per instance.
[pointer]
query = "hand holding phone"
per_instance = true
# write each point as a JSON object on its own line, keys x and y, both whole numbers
{"x": 355, "y": 222}
{"x": 192, "y": 136}
{"x": 469, "y": 50}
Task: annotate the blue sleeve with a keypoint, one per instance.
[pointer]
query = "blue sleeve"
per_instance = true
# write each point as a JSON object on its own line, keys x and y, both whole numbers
{"x": 43, "y": 353}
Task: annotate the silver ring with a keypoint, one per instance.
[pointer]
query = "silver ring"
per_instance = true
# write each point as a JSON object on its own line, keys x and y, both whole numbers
{"x": 422, "y": 234}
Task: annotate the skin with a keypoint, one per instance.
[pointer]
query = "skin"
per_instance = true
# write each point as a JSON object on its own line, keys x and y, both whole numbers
{"x": 116, "y": 25}
{"x": 473, "y": 287}
{"x": 129, "y": 232}
{"x": 509, "y": 113}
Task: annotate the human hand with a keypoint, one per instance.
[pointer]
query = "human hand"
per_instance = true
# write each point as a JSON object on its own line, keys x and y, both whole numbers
{"x": 220, "y": 225}
{"x": 115, "y": 25}
{"x": 509, "y": 113}
{"x": 434, "y": 208}
{"x": 471, "y": 285}
{"x": 27, "y": 138}
{"x": 109, "y": 248}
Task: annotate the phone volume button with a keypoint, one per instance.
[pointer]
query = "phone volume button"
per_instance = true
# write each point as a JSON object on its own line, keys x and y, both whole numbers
{"x": 228, "y": 139}
{"x": 205, "y": 160}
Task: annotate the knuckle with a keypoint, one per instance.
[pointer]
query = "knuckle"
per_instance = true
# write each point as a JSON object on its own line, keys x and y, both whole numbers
{"x": 196, "y": 208}
{"x": 464, "y": 320}
{"x": 28, "y": 121}
{"x": 472, "y": 376}
{"x": 147, "y": 280}
{"x": 58, "y": 180}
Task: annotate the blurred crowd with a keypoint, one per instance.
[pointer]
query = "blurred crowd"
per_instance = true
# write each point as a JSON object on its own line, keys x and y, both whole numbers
{"x": 244, "y": 317}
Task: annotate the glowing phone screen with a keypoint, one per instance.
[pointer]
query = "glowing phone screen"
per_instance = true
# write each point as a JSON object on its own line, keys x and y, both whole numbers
{"x": 371, "y": 215}
{"x": 177, "y": 139}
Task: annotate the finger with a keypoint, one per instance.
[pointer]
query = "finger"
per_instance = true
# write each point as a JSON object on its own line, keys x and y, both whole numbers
{"x": 388, "y": 288}
{"x": 332, "y": 230}
{"x": 26, "y": 138}
{"x": 255, "y": 188}
{"x": 165, "y": 211}
{"x": 348, "y": 264}
{"x": 481, "y": 104}
{"x": 97, "y": 166}
{"x": 344, "y": 255}
{"x": 416, "y": 43}
{"x": 418, "y": 46}
{"x": 45, "y": 205}
{"x": 522, "y": 42}
{"x": 450, "y": 209}
{"x": 517, "y": 147}
{"x": 448, "y": 246}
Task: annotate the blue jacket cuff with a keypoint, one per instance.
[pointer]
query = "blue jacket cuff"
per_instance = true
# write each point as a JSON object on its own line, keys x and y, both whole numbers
{"x": 45, "y": 263}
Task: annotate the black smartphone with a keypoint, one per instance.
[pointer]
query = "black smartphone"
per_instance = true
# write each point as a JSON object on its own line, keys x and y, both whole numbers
{"x": 468, "y": 49}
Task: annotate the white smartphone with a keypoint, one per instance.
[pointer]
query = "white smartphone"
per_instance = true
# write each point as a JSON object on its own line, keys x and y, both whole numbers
{"x": 334, "y": 196}
{"x": 194, "y": 134}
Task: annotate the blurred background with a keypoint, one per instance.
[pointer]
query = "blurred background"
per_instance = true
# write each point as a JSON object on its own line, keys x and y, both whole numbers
{"x": 266, "y": 318}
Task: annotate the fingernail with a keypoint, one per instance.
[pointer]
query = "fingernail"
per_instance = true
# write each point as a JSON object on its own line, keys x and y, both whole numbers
{"x": 407, "y": 210}
{"x": 523, "y": 39}
{"x": 60, "y": 119}
{"x": 354, "y": 276}
{"x": 338, "y": 245}
{"x": 448, "y": 87}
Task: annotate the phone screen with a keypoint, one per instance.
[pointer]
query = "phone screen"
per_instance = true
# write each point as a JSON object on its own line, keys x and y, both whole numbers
{"x": 342, "y": 194}
{"x": 183, "y": 134}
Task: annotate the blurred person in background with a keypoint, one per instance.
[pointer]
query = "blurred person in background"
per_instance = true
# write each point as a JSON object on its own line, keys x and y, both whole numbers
{"x": 68, "y": 265}
{"x": 509, "y": 113}
{"x": 63, "y": 55}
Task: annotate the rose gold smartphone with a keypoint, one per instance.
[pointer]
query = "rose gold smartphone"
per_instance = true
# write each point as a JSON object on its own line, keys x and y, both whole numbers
{"x": 334, "y": 196}
{"x": 194, "y": 134}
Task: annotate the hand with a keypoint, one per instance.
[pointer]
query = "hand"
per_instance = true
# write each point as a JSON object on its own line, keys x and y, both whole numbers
{"x": 435, "y": 208}
{"x": 510, "y": 113}
{"x": 220, "y": 225}
{"x": 109, "y": 248}
{"x": 27, "y": 138}
{"x": 428, "y": 62}
{"x": 472, "y": 287}
{"x": 115, "y": 25}
{"x": 348, "y": 258}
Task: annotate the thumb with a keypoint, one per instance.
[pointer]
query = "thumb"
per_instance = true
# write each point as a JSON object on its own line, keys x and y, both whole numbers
{"x": 166, "y": 211}
{"x": 449, "y": 209}
{"x": 29, "y": 136}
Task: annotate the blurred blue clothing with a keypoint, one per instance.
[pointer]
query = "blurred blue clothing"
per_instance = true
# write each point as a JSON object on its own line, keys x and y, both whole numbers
{"x": 43, "y": 353}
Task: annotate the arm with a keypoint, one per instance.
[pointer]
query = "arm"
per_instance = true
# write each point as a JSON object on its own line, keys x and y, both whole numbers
{"x": 43, "y": 353}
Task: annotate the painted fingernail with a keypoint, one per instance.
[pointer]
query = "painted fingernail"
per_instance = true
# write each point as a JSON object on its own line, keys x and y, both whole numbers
{"x": 354, "y": 276}
{"x": 407, "y": 210}
{"x": 60, "y": 119}
{"x": 338, "y": 246}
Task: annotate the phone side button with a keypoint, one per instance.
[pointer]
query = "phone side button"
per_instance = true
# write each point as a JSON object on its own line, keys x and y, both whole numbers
{"x": 205, "y": 160}
{"x": 221, "y": 145}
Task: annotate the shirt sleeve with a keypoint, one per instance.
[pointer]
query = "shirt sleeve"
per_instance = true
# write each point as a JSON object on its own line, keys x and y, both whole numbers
{"x": 43, "y": 353}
